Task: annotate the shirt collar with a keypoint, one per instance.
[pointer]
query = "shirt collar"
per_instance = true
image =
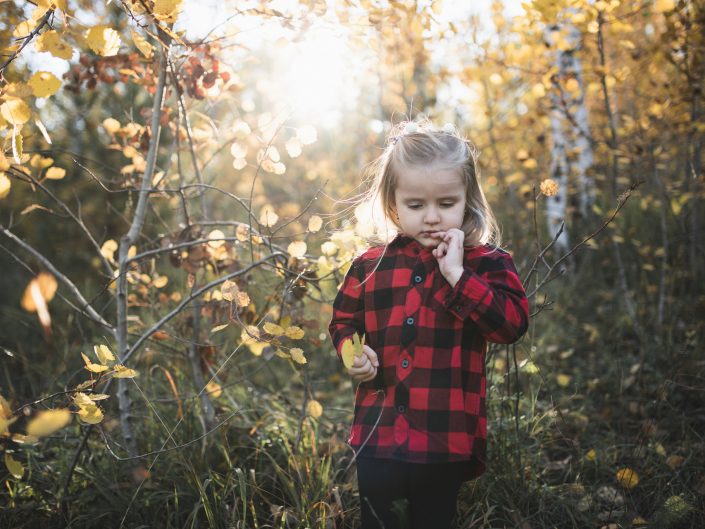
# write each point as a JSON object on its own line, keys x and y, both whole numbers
{"x": 409, "y": 245}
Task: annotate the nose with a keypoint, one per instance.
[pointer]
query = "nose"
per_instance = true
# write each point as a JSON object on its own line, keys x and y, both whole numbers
{"x": 432, "y": 216}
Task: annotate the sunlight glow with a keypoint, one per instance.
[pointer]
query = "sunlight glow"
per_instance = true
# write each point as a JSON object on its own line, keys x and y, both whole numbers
{"x": 318, "y": 80}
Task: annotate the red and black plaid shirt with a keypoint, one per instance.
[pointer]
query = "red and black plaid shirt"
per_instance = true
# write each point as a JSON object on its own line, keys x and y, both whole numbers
{"x": 427, "y": 402}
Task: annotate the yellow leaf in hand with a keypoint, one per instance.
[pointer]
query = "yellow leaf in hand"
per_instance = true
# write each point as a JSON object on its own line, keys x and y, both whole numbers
{"x": 297, "y": 355}
{"x": 93, "y": 368}
{"x": 46, "y": 422}
{"x": 352, "y": 348}
{"x": 15, "y": 467}
{"x": 627, "y": 478}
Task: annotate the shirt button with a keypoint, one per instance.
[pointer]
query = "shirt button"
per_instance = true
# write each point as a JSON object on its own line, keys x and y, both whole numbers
{"x": 405, "y": 363}
{"x": 401, "y": 408}
{"x": 409, "y": 321}
{"x": 418, "y": 279}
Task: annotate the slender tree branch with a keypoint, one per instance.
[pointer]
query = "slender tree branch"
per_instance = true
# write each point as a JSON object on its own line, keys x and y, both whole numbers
{"x": 61, "y": 277}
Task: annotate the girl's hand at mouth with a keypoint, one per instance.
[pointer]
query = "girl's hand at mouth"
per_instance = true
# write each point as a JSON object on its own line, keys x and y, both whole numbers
{"x": 449, "y": 253}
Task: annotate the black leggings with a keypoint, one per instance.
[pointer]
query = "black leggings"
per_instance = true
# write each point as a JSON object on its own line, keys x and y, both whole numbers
{"x": 396, "y": 495}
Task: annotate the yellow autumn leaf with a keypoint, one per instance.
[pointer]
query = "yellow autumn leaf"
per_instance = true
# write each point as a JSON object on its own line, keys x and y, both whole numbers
{"x": 297, "y": 355}
{"x": 5, "y": 185}
{"x": 294, "y": 332}
{"x": 103, "y": 40}
{"x": 55, "y": 173}
{"x": 52, "y": 4}
{"x": 15, "y": 467}
{"x": 104, "y": 354}
{"x": 563, "y": 380}
{"x": 219, "y": 328}
{"x": 98, "y": 396}
{"x": 273, "y": 328}
{"x": 39, "y": 162}
{"x": 15, "y": 111}
{"x": 4, "y": 162}
{"x": 268, "y": 217}
{"x": 108, "y": 249}
{"x": 297, "y": 249}
{"x": 243, "y": 299}
{"x": 52, "y": 42}
{"x": 351, "y": 349}
{"x": 82, "y": 399}
{"x": 664, "y": 5}
{"x": 314, "y": 409}
{"x": 257, "y": 347}
{"x": 160, "y": 281}
{"x": 293, "y": 147}
{"x": 120, "y": 371}
{"x": 167, "y": 10}
{"x": 93, "y": 368}
{"x": 111, "y": 125}
{"x": 214, "y": 389}
{"x": 90, "y": 414}
{"x": 315, "y": 223}
{"x": 639, "y": 522}
{"x": 44, "y": 84}
{"x": 6, "y": 418}
{"x": 674, "y": 461}
{"x": 627, "y": 478}
{"x": 39, "y": 291}
{"x": 46, "y": 422}
{"x": 229, "y": 290}
{"x": 141, "y": 44}
{"x": 591, "y": 455}
{"x": 215, "y": 239}
{"x": 5, "y": 410}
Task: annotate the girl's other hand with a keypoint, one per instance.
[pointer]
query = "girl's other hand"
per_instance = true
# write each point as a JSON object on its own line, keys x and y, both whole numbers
{"x": 449, "y": 254}
{"x": 365, "y": 366}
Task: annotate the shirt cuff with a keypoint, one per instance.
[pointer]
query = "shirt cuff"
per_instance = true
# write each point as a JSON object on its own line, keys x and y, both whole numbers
{"x": 468, "y": 293}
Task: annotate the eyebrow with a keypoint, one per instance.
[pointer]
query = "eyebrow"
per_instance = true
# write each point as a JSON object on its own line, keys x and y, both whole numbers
{"x": 448, "y": 197}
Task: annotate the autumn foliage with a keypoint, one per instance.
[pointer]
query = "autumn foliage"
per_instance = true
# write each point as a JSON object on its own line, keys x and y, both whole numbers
{"x": 177, "y": 212}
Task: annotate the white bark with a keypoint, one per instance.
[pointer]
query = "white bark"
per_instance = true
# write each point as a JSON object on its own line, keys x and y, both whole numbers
{"x": 571, "y": 151}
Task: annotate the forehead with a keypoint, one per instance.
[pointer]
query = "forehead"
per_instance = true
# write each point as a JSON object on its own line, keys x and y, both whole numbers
{"x": 430, "y": 181}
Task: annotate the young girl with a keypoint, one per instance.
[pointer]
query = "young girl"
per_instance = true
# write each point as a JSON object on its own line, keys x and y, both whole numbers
{"x": 426, "y": 303}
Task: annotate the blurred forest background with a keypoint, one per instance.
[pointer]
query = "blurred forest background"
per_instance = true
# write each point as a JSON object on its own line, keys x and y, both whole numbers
{"x": 176, "y": 181}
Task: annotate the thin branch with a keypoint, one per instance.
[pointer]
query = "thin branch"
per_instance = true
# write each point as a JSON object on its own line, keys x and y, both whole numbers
{"x": 61, "y": 277}
{"x": 27, "y": 39}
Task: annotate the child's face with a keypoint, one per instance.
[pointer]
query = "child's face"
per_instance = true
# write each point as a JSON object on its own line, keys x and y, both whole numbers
{"x": 429, "y": 200}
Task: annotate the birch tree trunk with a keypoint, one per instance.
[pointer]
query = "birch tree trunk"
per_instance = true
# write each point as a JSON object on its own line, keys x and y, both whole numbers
{"x": 124, "y": 401}
{"x": 571, "y": 150}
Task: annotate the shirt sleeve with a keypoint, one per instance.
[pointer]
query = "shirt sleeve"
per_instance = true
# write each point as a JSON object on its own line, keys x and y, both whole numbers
{"x": 348, "y": 307}
{"x": 493, "y": 297}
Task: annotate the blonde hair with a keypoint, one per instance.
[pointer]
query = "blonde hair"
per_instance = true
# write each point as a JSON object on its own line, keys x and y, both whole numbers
{"x": 419, "y": 143}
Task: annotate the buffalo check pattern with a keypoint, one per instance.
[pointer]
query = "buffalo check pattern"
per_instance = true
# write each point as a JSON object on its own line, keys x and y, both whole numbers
{"x": 427, "y": 402}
